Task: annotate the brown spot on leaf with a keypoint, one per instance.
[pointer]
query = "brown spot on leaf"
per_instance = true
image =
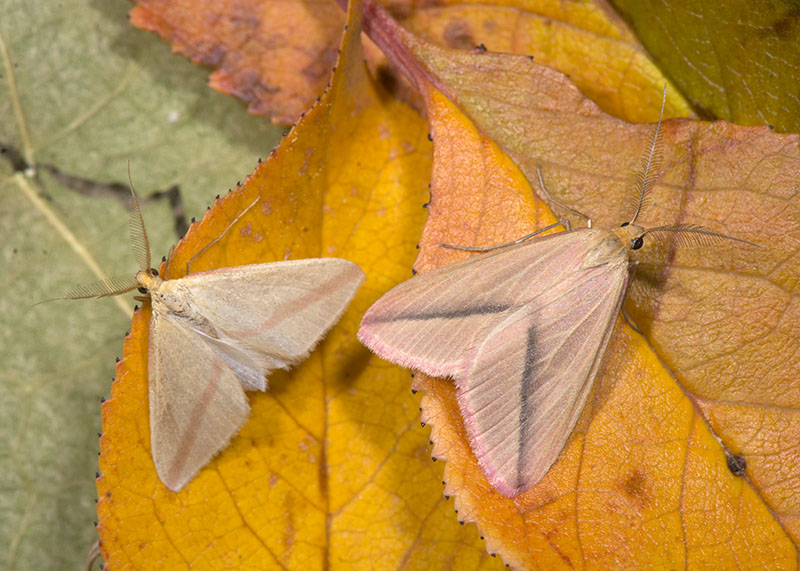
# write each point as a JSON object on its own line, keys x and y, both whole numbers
{"x": 786, "y": 26}
{"x": 421, "y": 452}
{"x": 458, "y": 34}
{"x": 386, "y": 78}
{"x": 736, "y": 464}
{"x": 635, "y": 487}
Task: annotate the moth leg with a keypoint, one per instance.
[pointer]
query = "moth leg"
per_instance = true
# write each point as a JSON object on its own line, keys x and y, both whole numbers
{"x": 560, "y": 204}
{"x": 168, "y": 260}
{"x": 629, "y": 322}
{"x": 517, "y": 241}
{"x": 217, "y": 239}
{"x": 622, "y": 308}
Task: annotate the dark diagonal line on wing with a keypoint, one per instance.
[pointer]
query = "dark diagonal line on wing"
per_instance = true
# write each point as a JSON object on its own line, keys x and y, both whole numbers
{"x": 524, "y": 389}
{"x": 452, "y": 314}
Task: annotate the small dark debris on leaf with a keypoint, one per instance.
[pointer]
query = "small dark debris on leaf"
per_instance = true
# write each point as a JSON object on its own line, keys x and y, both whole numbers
{"x": 736, "y": 464}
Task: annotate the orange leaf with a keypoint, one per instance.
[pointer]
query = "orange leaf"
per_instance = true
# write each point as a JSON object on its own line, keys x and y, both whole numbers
{"x": 277, "y": 56}
{"x": 643, "y": 480}
{"x": 329, "y": 471}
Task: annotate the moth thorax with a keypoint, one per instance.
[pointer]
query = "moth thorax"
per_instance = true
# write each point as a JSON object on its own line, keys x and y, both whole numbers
{"x": 174, "y": 297}
{"x": 605, "y": 248}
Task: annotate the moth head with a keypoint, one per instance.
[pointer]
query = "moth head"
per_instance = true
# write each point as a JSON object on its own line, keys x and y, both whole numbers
{"x": 147, "y": 280}
{"x": 635, "y": 235}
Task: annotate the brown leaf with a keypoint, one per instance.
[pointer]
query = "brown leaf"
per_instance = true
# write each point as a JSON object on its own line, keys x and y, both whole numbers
{"x": 277, "y": 56}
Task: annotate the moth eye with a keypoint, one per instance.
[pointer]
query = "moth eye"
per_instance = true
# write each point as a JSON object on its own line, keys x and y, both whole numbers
{"x": 142, "y": 290}
{"x": 624, "y": 224}
{"x": 154, "y": 272}
{"x": 637, "y": 243}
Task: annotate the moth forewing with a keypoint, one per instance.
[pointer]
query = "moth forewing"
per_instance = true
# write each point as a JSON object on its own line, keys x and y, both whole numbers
{"x": 552, "y": 347}
{"x": 196, "y": 401}
{"x": 218, "y": 333}
{"x": 281, "y": 308}
{"x": 428, "y": 322}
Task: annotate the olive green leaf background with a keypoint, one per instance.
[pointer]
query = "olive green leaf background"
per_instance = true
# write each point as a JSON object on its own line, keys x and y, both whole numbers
{"x": 734, "y": 60}
{"x": 82, "y": 93}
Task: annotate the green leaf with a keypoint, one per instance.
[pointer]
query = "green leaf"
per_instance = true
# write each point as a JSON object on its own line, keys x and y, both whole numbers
{"x": 733, "y": 59}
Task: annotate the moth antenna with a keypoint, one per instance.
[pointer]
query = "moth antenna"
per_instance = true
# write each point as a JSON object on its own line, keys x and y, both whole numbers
{"x": 106, "y": 287}
{"x": 644, "y": 179}
{"x": 517, "y": 241}
{"x": 560, "y": 204}
{"x": 691, "y": 235}
{"x": 218, "y": 238}
{"x": 140, "y": 245}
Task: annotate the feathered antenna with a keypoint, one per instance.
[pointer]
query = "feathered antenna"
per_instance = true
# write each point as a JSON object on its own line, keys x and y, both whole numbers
{"x": 644, "y": 181}
{"x": 687, "y": 234}
{"x": 140, "y": 245}
{"x": 106, "y": 287}
{"x": 692, "y": 235}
